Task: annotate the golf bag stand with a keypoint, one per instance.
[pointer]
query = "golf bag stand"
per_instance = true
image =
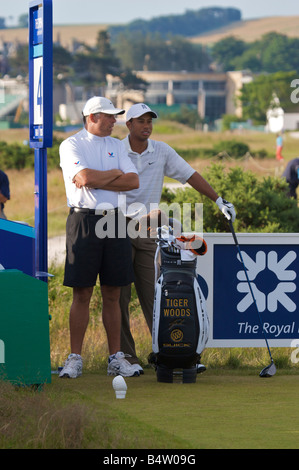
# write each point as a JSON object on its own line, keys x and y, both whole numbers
{"x": 180, "y": 321}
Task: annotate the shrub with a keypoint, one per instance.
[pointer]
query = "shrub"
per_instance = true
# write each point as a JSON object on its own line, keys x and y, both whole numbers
{"x": 233, "y": 148}
{"x": 15, "y": 156}
{"x": 193, "y": 153}
{"x": 261, "y": 205}
{"x": 19, "y": 156}
{"x": 261, "y": 153}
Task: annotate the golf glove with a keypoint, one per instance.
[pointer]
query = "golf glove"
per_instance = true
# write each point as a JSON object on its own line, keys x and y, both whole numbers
{"x": 226, "y": 208}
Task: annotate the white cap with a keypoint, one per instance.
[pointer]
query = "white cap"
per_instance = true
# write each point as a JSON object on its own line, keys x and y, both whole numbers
{"x": 98, "y": 104}
{"x": 138, "y": 110}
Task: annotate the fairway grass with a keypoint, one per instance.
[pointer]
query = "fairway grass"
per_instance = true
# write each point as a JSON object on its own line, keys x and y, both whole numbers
{"x": 227, "y": 411}
{"x": 222, "y": 410}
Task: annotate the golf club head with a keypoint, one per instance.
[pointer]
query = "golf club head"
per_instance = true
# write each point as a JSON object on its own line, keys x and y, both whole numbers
{"x": 268, "y": 371}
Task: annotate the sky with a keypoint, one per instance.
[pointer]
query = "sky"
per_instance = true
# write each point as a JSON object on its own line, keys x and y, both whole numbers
{"x": 124, "y": 11}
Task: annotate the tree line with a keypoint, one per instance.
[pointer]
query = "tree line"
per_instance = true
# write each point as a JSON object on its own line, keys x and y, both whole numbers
{"x": 135, "y": 51}
{"x": 273, "y": 60}
{"x": 191, "y": 23}
{"x": 274, "y": 52}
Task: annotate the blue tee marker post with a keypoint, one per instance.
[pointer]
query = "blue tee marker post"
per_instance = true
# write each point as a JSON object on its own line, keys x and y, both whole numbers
{"x": 41, "y": 118}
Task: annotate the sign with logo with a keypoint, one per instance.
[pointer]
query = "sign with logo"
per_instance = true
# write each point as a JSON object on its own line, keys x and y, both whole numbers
{"x": 272, "y": 263}
{"x": 41, "y": 117}
{"x": 40, "y": 73}
{"x": 17, "y": 246}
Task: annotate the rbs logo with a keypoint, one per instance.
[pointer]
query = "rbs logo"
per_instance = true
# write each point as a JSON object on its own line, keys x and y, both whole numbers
{"x": 281, "y": 281}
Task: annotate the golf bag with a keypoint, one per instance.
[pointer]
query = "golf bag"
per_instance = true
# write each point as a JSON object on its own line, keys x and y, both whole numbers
{"x": 180, "y": 321}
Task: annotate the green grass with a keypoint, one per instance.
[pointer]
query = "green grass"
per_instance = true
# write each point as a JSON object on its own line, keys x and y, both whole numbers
{"x": 222, "y": 410}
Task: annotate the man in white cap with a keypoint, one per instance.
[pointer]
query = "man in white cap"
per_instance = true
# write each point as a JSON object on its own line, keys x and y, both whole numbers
{"x": 96, "y": 168}
{"x": 153, "y": 160}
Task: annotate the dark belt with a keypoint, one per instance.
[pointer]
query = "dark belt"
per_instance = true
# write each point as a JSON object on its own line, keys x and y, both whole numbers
{"x": 84, "y": 210}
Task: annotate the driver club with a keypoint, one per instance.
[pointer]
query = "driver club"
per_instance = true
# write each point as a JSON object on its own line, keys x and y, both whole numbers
{"x": 270, "y": 370}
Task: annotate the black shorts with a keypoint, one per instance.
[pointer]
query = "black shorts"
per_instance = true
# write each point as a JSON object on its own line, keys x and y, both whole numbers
{"x": 88, "y": 256}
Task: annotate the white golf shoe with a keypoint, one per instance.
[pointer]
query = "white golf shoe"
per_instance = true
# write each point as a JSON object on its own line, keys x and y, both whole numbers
{"x": 118, "y": 365}
{"x": 200, "y": 368}
{"x": 138, "y": 368}
{"x": 72, "y": 367}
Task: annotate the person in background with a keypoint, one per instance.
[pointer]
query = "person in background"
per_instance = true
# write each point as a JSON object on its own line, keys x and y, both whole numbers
{"x": 4, "y": 192}
{"x": 291, "y": 174}
{"x": 154, "y": 160}
{"x": 279, "y": 146}
{"x": 96, "y": 168}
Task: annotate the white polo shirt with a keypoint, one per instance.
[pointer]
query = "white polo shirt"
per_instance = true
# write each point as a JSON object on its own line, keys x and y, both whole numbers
{"x": 86, "y": 150}
{"x": 157, "y": 161}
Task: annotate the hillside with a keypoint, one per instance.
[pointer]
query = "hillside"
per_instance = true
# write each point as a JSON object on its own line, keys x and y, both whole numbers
{"x": 188, "y": 24}
{"x": 252, "y": 30}
{"x": 249, "y": 30}
{"x": 66, "y": 34}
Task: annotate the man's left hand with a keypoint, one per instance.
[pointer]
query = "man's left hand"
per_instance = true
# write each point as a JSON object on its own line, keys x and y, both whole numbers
{"x": 226, "y": 208}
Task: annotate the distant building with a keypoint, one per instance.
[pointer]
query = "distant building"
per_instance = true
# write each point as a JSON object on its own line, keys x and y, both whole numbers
{"x": 14, "y": 97}
{"x": 213, "y": 94}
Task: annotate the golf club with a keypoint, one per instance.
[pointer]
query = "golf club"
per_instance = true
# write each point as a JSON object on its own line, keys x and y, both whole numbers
{"x": 270, "y": 370}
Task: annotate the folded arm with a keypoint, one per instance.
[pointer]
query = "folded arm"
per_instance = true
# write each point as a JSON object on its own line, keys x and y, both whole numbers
{"x": 125, "y": 182}
{"x": 110, "y": 180}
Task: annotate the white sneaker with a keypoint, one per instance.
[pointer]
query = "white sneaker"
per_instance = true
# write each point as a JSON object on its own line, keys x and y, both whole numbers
{"x": 118, "y": 365}
{"x": 72, "y": 367}
{"x": 200, "y": 368}
{"x": 138, "y": 368}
